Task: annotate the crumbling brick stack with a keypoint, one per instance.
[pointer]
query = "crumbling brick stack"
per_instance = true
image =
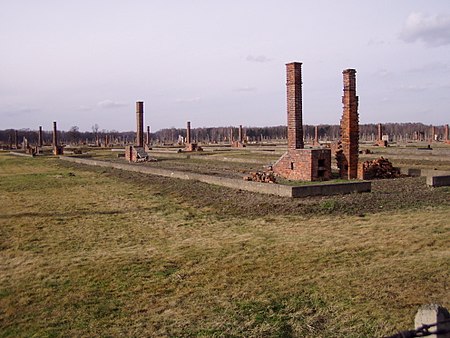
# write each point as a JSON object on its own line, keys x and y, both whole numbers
{"x": 240, "y": 142}
{"x": 378, "y": 168}
{"x": 57, "y": 149}
{"x": 189, "y": 145}
{"x": 261, "y": 176}
{"x": 137, "y": 153}
{"x": 316, "y": 136}
{"x": 446, "y": 139}
{"x": 348, "y": 162}
{"x": 380, "y": 141}
{"x": 299, "y": 163}
{"x": 40, "y": 138}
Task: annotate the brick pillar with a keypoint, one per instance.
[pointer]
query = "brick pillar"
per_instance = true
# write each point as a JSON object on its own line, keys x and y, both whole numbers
{"x": 188, "y": 132}
{"x": 433, "y": 132}
{"x": 40, "y": 137}
{"x": 140, "y": 124}
{"x": 148, "y": 135}
{"x": 241, "y": 137}
{"x": 350, "y": 125}
{"x": 294, "y": 105}
{"x": 316, "y": 135}
{"x": 446, "y": 133}
{"x": 55, "y": 135}
{"x": 231, "y": 135}
{"x": 16, "y": 139}
{"x": 380, "y": 132}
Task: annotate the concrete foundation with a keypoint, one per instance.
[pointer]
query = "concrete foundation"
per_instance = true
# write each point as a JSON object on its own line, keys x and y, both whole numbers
{"x": 263, "y": 188}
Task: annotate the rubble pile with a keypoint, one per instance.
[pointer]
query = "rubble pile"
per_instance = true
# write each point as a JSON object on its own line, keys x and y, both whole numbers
{"x": 261, "y": 176}
{"x": 380, "y": 168}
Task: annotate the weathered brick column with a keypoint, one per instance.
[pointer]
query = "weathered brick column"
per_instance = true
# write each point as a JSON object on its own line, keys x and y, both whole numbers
{"x": 316, "y": 135}
{"x": 55, "y": 135}
{"x": 380, "y": 132}
{"x": 40, "y": 137}
{"x": 140, "y": 124}
{"x": 294, "y": 105}
{"x": 188, "y": 132}
{"x": 148, "y": 135}
{"x": 299, "y": 163}
{"x": 433, "y": 132}
{"x": 16, "y": 139}
{"x": 446, "y": 133}
{"x": 241, "y": 137}
{"x": 350, "y": 126}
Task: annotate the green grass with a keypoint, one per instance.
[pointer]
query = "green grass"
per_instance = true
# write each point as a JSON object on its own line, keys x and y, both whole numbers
{"x": 92, "y": 252}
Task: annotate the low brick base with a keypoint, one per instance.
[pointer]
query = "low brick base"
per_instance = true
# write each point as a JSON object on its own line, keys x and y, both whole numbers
{"x": 58, "y": 150}
{"x": 381, "y": 143}
{"x": 304, "y": 165}
{"x": 192, "y": 147}
{"x": 237, "y": 144}
{"x": 135, "y": 154}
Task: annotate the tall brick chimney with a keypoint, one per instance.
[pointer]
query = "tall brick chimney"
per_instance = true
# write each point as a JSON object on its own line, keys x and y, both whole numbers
{"x": 140, "y": 124}
{"x": 241, "y": 136}
{"x": 188, "y": 132}
{"x": 294, "y": 105}
{"x": 55, "y": 135}
{"x": 446, "y": 133}
{"x": 380, "y": 132}
{"x": 350, "y": 125}
{"x": 316, "y": 135}
{"x": 16, "y": 139}
{"x": 148, "y": 135}
{"x": 433, "y": 133}
{"x": 40, "y": 137}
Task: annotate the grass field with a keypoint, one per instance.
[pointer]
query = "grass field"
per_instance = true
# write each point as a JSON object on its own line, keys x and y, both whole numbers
{"x": 97, "y": 252}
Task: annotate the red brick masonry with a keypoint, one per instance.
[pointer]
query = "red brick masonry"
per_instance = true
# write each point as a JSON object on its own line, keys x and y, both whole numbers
{"x": 305, "y": 164}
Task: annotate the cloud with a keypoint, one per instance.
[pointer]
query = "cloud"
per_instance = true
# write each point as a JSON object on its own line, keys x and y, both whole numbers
{"x": 434, "y": 31}
{"x": 375, "y": 42}
{"x": 189, "y": 100}
{"x": 22, "y": 111}
{"x": 84, "y": 108}
{"x": 245, "y": 89}
{"x": 383, "y": 73}
{"x": 438, "y": 67}
{"x": 413, "y": 88}
{"x": 108, "y": 104}
{"x": 258, "y": 58}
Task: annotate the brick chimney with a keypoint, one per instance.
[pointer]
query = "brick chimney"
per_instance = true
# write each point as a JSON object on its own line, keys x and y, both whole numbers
{"x": 140, "y": 124}
{"x": 294, "y": 105}
{"x": 350, "y": 125}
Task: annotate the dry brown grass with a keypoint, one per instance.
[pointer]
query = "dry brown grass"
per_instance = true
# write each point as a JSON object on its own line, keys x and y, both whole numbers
{"x": 89, "y": 253}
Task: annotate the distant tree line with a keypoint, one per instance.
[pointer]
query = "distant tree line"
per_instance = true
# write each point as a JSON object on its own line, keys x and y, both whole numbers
{"x": 326, "y": 132}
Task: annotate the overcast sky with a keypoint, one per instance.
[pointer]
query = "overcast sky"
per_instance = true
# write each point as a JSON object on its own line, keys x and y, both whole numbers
{"x": 219, "y": 63}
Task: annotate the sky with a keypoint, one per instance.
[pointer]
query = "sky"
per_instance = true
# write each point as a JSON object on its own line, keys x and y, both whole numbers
{"x": 219, "y": 63}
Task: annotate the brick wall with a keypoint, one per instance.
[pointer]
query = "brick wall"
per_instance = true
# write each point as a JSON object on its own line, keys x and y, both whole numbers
{"x": 304, "y": 165}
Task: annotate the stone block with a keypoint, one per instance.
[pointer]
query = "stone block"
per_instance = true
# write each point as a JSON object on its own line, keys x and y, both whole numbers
{"x": 431, "y": 314}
